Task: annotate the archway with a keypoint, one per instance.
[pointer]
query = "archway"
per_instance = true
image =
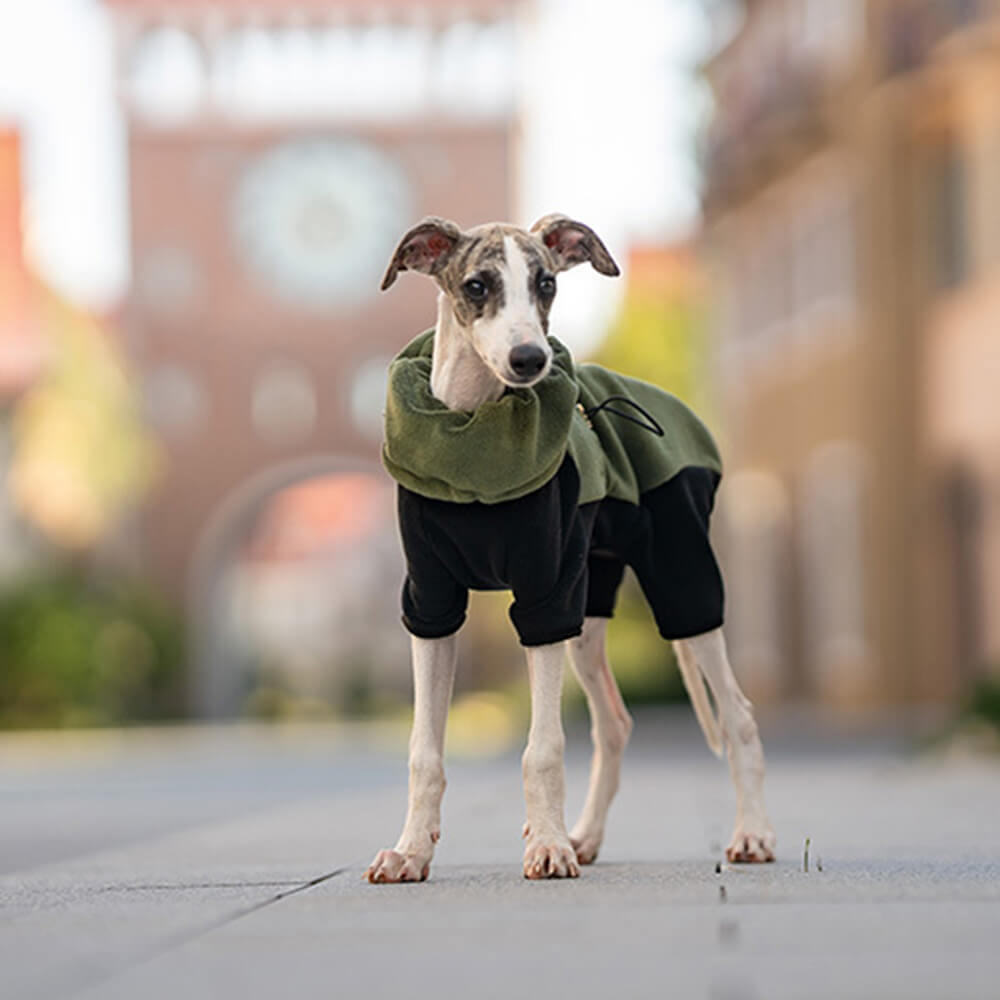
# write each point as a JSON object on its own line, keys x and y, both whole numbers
{"x": 219, "y": 666}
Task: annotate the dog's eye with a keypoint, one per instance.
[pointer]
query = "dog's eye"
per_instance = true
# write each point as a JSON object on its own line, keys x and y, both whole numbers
{"x": 475, "y": 289}
{"x": 546, "y": 285}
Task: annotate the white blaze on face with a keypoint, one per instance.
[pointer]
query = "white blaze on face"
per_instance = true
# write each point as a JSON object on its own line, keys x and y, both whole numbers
{"x": 516, "y": 323}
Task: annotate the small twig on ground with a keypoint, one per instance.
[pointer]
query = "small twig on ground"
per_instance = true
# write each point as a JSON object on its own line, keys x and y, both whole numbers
{"x": 805, "y": 857}
{"x": 722, "y": 893}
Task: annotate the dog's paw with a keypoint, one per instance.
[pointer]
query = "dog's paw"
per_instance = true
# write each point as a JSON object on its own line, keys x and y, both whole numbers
{"x": 586, "y": 843}
{"x": 391, "y": 866}
{"x": 751, "y": 844}
{"x": 550, "y": 859}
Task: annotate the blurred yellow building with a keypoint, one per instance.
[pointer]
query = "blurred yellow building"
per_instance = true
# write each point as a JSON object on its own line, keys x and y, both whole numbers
{"x": 852, "y": 203}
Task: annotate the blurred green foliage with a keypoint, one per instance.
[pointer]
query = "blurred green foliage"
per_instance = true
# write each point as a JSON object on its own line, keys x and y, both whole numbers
{"x": 660, "y": 337}
{"x": 983, "y": 703}
{"x": 76, "y": 651}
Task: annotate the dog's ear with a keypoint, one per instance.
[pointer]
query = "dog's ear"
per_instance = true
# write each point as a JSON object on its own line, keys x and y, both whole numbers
{"x": 424, "y": 248}
{"x": 571, "y": 243}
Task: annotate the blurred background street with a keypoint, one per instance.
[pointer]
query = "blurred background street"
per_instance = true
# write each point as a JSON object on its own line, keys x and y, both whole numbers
{"x": 196, "y": 205}
{"x": 197, "y": 202}
{"x": 204, "y": 683}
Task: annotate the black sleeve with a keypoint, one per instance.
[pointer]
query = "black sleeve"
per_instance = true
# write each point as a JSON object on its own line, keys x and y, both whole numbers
{"x": 434, "y": 602}
{"x": 548, "y": 571}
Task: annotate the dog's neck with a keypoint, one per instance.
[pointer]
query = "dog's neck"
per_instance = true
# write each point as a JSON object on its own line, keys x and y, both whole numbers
{"x": 459, "y": 377}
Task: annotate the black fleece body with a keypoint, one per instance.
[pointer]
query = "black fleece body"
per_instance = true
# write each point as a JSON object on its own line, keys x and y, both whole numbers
{"x": 562, "y": 560}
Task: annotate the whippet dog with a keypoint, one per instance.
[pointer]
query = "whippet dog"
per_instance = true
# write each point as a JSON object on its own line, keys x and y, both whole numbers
{"x": 497, "y": 284}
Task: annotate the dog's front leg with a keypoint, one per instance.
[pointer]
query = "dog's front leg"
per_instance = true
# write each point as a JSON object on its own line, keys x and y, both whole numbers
{"x": 433, "y": 677}
{"x": 549, "y": 853}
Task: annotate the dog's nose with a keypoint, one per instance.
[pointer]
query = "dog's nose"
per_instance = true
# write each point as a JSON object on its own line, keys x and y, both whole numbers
{"x": 527, "y": 360}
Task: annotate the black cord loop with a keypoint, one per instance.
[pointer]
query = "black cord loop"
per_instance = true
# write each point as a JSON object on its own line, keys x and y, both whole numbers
{"x": 650, "y": 424}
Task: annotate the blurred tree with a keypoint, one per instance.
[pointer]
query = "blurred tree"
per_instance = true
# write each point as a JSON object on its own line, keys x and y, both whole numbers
{"x": 81, "y": 455}
{"x": 660, "y": 334}
{"x": 660, "y": 337}
{"x": 73, "y": 457}
{"x": 76, "y": 651}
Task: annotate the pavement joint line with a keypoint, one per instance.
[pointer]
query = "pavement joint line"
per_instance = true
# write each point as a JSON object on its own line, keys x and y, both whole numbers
{"x": 181, "y": 886}
{"x": 178, "y": 940}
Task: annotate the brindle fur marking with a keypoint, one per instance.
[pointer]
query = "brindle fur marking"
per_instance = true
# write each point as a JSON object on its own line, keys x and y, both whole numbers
{"x": 454, "y": 258}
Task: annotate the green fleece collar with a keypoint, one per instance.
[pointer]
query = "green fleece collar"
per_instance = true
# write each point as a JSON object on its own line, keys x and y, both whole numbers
{"x": 506, "y": 449}
{"x": 500, "y": 451}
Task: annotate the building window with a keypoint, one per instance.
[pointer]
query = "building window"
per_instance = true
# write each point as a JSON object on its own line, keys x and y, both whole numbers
{"x": 284, "y": 404}
{"x": 824, "y": 266}
{"x": 775, "y": 281}
{"x": 367, "y": 396}
{"x": 832, "y": 33}
{"x": 756, "y": 296}
{"x": 832, "y": 532}
{"x": 166, "y": 76}
{"x": 949, "y": 231}
{"x": 174, "y": 400}
{"x": 757, "y": 528}
{"x": 965, "y": 504}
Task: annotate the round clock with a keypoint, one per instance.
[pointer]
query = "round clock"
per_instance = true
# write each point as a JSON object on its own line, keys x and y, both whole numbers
{"x": 317, "y": 219}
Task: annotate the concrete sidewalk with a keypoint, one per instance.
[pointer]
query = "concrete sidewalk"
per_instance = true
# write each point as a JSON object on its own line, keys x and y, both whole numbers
{"x": 227, "y": 863}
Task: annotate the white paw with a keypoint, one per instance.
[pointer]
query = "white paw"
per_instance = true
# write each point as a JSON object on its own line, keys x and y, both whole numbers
{"x": 751, "y": 843}
{"x": 550, "y": 859}
{"x": 392, "y": 866}
{"x": 586, "y": 843}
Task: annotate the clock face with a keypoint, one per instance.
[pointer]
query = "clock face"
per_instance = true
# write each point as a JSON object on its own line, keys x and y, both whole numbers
{"x": 318, "y": 219}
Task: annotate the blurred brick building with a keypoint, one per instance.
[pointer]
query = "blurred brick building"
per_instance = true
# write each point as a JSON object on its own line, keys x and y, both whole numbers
{"x": 277, "y": 151}
{"x": 852, "y": 206}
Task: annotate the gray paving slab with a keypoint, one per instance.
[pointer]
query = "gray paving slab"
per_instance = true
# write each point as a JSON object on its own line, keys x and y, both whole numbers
{"x": 478, "y": 932}
{"x": 63, "y": 794}
{"x": 901, "y": 917}
{"x": 271, "y": 900}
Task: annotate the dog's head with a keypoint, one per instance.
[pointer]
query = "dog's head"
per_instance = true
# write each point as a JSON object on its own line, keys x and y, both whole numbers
{"x": 500, "y": 282}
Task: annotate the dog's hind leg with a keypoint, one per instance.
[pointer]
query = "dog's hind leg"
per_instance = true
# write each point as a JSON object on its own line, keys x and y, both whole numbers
{"x": 610, "y": 728}
{"x": 433, "y": 677}
{"x": 753, "y": 839}
{"x": 548, "y": 853}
